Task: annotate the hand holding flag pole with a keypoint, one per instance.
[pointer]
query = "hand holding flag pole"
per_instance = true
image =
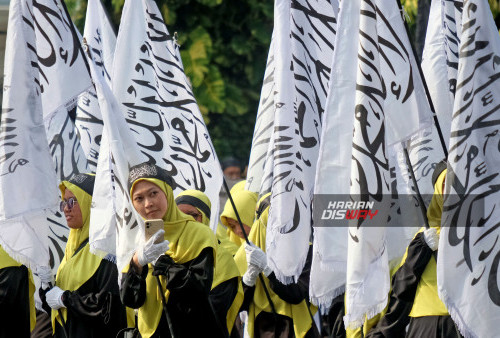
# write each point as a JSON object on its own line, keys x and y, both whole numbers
{"x": 266, "y": 291}
{"x": 47, "y": 279}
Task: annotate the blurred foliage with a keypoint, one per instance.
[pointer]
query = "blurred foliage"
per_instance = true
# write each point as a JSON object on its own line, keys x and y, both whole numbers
{"x": 224, "y": 46}
{"x": 495, "y": 10}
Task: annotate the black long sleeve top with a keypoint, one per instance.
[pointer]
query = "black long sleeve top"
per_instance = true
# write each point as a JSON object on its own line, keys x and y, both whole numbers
{"x": 189, "y": 309}
{"x": 404, "y": 288}
{"x": 94, "y": 309}
{"x": 14, "y": 302}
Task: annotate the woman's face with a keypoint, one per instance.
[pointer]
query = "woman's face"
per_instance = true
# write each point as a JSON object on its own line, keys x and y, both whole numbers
{"x": 235, "y": 227}
{"x": 149, "y": 200}
{"x": 188, "y": 209}
{"x": 73, "y": 215}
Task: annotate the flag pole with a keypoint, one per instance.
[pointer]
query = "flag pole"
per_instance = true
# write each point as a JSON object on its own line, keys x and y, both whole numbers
{"x": 427, "y": 93}
{"x": 164, "y": 300}
{"x": 266, "y": 291}
{"x": 417, "y": 191}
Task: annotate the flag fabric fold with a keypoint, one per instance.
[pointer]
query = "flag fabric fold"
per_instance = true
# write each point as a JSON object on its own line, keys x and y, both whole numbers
{"x": 100, "y": 39}
{"x": 329, "y": 264}
{"x": 469, "y": 254}
{"x": 390, "y": 108}
{"x": 426, "y": 149}
{"x": 115, "y": 228}
{"x": 264, "y": 126}
{"x": 304, "y": 36}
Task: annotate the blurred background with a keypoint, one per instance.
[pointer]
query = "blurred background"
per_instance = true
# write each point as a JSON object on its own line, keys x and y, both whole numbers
{"x": 224, "y": 46}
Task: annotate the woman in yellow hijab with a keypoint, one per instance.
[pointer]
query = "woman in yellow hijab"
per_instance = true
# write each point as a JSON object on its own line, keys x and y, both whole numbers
{"x": 86, "y": 292}
{"x": 17, "y": 305}
{"x": 226, "y": 294}
{"x": 293, "y": 313}
{"x": 245, "y": 202}
{"x": 414, "y": 298}
{"x": 182, "y": 255}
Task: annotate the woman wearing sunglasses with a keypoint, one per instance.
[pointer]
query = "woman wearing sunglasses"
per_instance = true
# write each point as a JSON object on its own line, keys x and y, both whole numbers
{"x": 86, "y": 292}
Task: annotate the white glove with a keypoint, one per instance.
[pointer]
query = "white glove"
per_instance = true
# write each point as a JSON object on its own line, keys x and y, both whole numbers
{"x": 54, "y": 298}
{"x": 46, "y": 276}
{"x": 257, "y": 258}
{"x": 151, "y": 250}
{"x": 431, "y": 238}
{"x": 251, "y": 275}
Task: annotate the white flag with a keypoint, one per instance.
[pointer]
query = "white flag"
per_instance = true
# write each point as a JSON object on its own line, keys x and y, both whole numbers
{"x": 469, "y": 252}
{"x": 116, "y": 229}
{"x": 436, "y": 69}
{"x": 389, "y": 107}
{"x": 264, "y": 126}
{"x": 329, "y": 264}
{"x": 158, "y": 103}
{"x": 42, "y": 53}
{"x": 103, "y": 219}
{"x": 304, "y": 36}
{"x": 426, "y": 148}
{"x": 101, "y": 41}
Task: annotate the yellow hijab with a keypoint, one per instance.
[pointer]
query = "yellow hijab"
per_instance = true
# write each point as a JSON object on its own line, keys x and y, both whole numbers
{"x": 298, "y": 313}
{"x": 226, "y": 268}
{"x": 187, "y": 239}
{"x": 238, "y": 186}
{"x": 223, "y": 237}
{"x": 6, "y": 262}
{"x": 76, "y": 269}
{"x": 245, "y": 202}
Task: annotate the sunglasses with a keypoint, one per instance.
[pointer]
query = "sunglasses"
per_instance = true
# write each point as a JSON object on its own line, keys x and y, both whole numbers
{"x": 70, "y": 203}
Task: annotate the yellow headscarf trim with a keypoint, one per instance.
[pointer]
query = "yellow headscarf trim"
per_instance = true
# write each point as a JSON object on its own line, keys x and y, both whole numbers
{"x": 6, "y": 262}
{"x": 75, "y": 270}
{"x": 245, "y": 202}
{"x": 298, "y": 313}
{"x": 187, "y": 239}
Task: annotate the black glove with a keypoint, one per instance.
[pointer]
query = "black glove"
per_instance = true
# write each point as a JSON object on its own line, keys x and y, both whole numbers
{"x": 163, "y": 265}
